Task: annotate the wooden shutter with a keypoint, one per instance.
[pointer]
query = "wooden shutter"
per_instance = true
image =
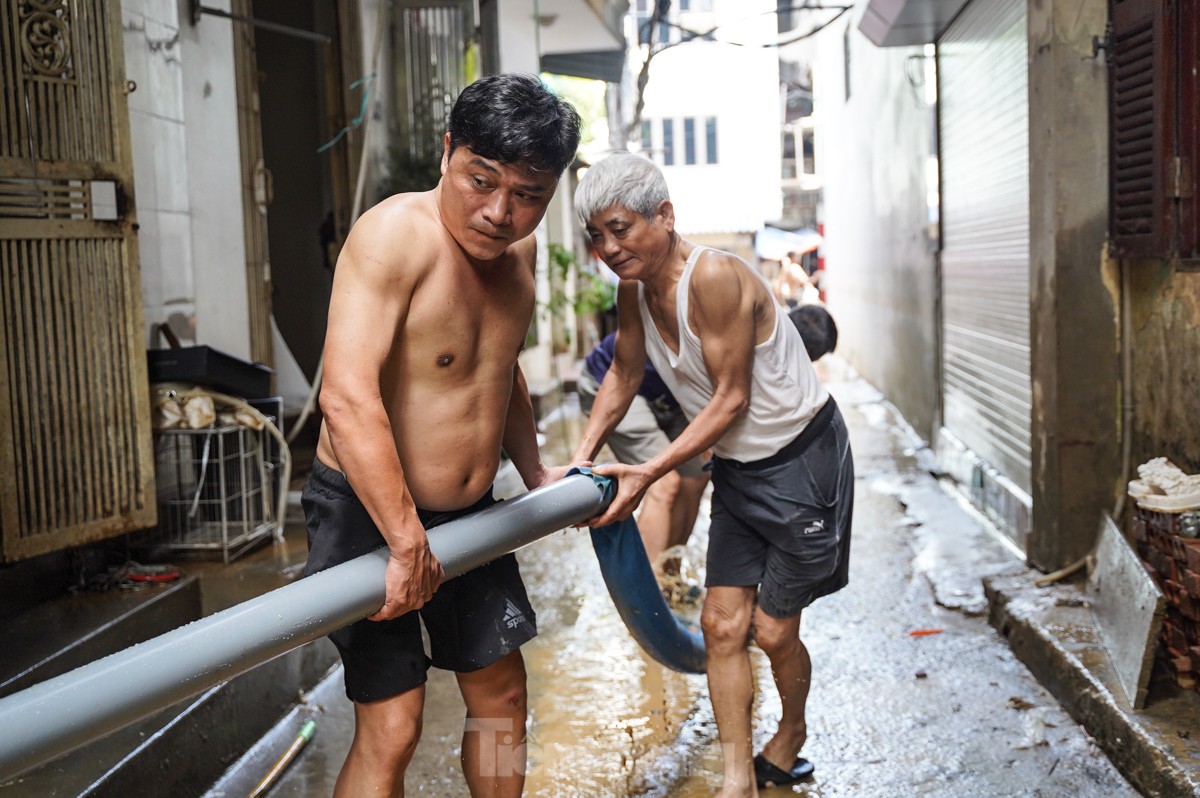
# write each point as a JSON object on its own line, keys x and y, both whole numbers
{"x": 1188, "y": 33}
{"x": 75, "y": 440}
{"x": 1143, "y": 66}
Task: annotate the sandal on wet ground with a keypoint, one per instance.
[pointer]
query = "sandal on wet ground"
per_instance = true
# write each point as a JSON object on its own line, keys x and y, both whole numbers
{"x": 767, "y": 773}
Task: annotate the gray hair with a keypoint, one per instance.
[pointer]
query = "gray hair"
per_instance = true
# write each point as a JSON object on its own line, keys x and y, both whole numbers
{"x": 622, "y": 178}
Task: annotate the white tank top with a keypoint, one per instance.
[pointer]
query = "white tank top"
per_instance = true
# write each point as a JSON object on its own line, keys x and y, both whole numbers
{"x": 785, "y": 393}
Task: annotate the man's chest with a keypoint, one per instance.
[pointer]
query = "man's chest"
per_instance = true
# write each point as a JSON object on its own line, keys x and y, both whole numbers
{"x": 467, "y": 322}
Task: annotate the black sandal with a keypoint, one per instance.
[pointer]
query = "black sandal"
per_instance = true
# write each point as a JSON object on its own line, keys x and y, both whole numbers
{"x": 767, "y": 774}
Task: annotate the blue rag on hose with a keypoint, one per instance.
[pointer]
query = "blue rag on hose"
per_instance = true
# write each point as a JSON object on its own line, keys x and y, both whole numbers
{"x": 635, "y": 592}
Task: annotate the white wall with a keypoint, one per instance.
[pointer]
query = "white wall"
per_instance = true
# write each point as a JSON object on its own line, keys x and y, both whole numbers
{"x": 740, "y": 87}
{"x": 159, "y": 142}
{"x": 183, "y": 129}
{"x": 214, "y": 185}
{"x": 519, "y": 37}
{"x": 880, "y": 277}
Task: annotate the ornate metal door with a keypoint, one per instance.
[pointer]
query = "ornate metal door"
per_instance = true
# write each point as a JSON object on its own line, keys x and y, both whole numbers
{"x": 76, "y": 461}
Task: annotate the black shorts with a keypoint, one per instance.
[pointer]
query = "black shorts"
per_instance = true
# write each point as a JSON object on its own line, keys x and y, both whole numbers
{"x": 473, "y": 620}
{"x": 783, "y": 523}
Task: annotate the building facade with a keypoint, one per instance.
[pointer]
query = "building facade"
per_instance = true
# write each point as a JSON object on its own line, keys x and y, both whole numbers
{"x": 185, "y": 173}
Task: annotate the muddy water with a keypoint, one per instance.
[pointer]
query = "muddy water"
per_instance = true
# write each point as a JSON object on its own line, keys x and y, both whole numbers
{"x": 605, "y": 720}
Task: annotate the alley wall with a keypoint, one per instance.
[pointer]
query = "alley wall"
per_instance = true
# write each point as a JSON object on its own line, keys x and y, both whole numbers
{"x": 1165, "y": 318}
{"x": 873, "y": 142}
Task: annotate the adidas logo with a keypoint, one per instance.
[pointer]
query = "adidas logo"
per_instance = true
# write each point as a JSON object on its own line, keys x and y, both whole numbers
{"x": 513, "y": 616}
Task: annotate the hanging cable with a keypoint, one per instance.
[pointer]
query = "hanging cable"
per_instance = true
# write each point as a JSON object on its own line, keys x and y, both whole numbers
{"x": 708, "y": 34}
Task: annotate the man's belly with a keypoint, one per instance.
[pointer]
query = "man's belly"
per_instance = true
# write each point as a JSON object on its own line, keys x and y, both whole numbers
{"x": 446, "y": 480}
{"x": 438, "y": 478}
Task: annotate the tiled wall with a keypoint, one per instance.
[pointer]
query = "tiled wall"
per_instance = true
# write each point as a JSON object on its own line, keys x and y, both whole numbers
{"x": 183, "y": 129}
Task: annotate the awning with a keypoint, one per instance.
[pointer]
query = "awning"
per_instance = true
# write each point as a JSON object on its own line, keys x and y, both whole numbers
{"x": 603, "y": 65}
{"x": 771, "y": 243}
{"x": 902, "y": 23}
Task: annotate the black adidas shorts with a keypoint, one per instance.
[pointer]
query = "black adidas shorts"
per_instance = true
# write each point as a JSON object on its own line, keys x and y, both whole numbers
{"x": 473, "y": 620}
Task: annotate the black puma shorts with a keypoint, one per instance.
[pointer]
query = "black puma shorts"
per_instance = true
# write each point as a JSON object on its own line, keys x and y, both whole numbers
{"x": 782, "y": 524}
{"x": 473, "y": 620}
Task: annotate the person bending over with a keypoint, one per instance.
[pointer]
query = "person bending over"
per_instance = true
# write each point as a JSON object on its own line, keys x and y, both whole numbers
{"x": 783, "y": 480}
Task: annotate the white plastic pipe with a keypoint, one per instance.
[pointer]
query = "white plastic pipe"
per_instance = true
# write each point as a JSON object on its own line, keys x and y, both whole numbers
{"x": 68, "y": 711}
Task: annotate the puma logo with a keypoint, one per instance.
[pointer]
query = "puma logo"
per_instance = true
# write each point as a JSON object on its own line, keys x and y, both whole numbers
{"x": 815, "y": 526}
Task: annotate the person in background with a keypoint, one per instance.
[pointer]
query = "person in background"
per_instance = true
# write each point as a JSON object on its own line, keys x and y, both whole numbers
{"x": 794, "y": 285}
{"x": 817, "y": 329}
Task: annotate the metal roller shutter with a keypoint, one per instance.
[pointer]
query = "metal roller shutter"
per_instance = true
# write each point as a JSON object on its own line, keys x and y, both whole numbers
{"x": 984, "y": 122}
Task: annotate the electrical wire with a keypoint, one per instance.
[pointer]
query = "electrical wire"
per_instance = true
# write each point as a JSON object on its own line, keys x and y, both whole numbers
{"x": 708, "y": 34}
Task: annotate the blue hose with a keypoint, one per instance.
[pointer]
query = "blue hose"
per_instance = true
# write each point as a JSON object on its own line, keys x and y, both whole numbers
{"x": 635, "y": 592}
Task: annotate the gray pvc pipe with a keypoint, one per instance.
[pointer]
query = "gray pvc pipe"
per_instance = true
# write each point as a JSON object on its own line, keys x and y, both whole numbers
{"x": 63, "y": 713}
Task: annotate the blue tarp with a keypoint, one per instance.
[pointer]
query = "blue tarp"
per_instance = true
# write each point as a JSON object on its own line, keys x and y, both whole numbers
{"x": 771, "y": 243}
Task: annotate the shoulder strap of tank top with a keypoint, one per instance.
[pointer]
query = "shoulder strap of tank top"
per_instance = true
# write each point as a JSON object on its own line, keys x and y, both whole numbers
{"x": 681, "y": 293}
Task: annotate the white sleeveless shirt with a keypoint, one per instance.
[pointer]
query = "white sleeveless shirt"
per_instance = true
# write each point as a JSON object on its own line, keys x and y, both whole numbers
{"x": 785, "y": 393}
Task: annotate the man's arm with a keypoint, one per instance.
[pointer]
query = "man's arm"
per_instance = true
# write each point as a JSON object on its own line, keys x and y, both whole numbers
{"x": 367, "y": 308}
{"x": 722, "y": 305}
{"x": 621, "y": 382}
{"x": 520, "y": 434}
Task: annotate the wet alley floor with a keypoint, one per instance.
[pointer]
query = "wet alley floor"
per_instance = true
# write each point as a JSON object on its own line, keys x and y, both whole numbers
{"x": 913, "y": 692}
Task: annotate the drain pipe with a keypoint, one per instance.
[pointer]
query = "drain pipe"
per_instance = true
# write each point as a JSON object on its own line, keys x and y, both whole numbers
{"x": 68, "y": 711}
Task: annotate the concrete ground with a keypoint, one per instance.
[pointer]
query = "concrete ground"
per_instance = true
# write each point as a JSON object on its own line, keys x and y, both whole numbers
{"x": 914, "y": 693}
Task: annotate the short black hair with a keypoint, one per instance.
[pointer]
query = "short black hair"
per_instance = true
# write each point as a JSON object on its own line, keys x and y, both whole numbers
{"x": 817, "y": 329}
{"x": 515, "y": 119}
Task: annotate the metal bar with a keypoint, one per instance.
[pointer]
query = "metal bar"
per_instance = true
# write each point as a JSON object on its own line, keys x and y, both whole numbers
{"x": 286, "y": 30}
{"x": 75, "y": 708}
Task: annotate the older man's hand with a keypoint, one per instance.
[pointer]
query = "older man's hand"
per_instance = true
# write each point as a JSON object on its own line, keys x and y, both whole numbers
{"x": 632, "y": 483}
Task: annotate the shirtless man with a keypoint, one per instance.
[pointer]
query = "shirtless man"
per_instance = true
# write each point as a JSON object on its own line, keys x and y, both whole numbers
{"x": 432, "y": 299}
{"x": 783, "y": 479}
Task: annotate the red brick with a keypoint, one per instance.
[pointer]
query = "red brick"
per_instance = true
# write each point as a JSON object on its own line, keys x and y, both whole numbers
{"x": 1139, "y": 529}
{"x": 1191, "y": 582}
{"x": 1164, "y": 565}
{"x": 1192, "y": 554}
